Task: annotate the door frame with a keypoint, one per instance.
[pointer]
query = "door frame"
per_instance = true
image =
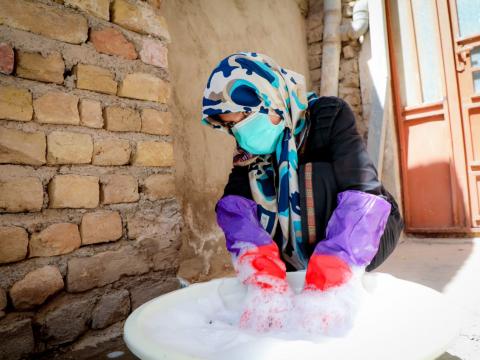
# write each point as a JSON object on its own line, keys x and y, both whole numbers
{"x": 469, "y": 103}
{"x": 447, "y": 109}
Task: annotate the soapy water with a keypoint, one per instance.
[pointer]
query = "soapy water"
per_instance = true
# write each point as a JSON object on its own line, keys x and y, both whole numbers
{"x": 309, "y": 313}
{"x": 209, "y": 328}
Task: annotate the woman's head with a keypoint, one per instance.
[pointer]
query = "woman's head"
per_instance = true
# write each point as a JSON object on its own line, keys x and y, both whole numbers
{"x": 250, "y": 96}
{"x": 251, "y": 86}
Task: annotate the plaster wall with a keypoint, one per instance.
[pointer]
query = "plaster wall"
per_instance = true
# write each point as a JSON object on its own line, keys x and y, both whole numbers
{"x": 377, "y": 103}
{"x": 203, "y": 32}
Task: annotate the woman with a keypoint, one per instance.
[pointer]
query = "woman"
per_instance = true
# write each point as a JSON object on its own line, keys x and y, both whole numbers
{"x": 303, "y": 192}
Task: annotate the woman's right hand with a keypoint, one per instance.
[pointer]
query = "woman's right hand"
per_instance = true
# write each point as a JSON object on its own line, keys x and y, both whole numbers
{"x": 269, "y": 297}
{"x": 267, "y": 309}
{"x": 261, "y": 266}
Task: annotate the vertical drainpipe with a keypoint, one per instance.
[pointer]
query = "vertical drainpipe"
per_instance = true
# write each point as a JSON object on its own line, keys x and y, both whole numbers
{"x": 333, "y": 34}
{"x": 332, "y": 42}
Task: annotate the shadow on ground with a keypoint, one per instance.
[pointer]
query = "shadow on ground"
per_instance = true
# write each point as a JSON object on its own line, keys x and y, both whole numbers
{"x": 448, "y": 356}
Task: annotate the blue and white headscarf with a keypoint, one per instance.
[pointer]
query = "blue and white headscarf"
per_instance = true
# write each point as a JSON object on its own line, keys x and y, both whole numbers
{"x": 249, "y": 81}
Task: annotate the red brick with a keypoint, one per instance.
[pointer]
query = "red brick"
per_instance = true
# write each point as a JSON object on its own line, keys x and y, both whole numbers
{"x": 6, "y": 58}
{"x": 154, "y": 52}
{"x": 112, "y": 42}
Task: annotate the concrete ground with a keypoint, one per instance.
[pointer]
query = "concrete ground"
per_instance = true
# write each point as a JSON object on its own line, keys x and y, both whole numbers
{"x": 451, "y": 266}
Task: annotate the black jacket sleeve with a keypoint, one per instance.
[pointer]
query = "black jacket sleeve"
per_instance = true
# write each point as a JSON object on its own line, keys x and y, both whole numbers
{"x": 334, "y": 138}
{"x": 238, "y": 183}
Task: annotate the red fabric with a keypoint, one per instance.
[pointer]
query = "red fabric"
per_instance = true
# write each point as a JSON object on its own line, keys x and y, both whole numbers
{"x": 326, "y": 271}
{"x": 266, "y": 264}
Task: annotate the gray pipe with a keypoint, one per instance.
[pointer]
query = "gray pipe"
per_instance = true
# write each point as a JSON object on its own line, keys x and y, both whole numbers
{"x": 333, "y": 34}
{"x": 359, "y": 24}
{"x": 332, "y": 17}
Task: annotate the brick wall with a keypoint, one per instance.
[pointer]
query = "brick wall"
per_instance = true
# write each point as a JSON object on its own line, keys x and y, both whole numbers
{"x": 349, "y": 79}
{"x": 89, "y": 221}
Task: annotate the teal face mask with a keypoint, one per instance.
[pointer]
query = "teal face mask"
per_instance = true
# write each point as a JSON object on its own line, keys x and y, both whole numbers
{"x": 257, "y": 135}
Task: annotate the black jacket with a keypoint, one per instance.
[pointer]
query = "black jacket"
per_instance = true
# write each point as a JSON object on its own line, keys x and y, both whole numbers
{"x": 333, "y": 142}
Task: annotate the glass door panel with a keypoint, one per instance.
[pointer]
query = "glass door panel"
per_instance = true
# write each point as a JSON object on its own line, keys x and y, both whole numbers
{"x": 468, "y": 12}
{"x": 475, "y": 60}
{"x": 425, "y": 25}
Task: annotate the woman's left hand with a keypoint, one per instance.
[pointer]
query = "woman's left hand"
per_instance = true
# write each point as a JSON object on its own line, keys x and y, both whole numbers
{"x": 330, "y": 310}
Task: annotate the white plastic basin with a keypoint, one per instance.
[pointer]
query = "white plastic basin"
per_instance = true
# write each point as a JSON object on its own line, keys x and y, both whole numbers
{"x": 399, "y": 320}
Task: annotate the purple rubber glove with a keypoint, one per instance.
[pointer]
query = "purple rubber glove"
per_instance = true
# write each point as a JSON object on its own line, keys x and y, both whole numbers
{"x": 258, "y": 265}
{"x": 333, "y": 288}
{"x": 352, "y": 239}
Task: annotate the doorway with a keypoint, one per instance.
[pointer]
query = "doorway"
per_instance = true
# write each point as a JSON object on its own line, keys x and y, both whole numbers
{"x": 434, "y": 48}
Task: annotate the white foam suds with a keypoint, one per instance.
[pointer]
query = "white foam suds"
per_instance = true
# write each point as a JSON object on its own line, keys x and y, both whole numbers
{"x": 209, "y": 327}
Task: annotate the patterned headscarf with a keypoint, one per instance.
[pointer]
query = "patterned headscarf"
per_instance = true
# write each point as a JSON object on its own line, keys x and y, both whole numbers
{"x": 249, "y": 82}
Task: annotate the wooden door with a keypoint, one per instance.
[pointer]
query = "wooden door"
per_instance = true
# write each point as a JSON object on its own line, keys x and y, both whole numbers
{"x": 428, "y": 116}
{"x": 465, "y": 21}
